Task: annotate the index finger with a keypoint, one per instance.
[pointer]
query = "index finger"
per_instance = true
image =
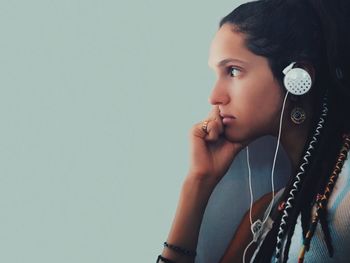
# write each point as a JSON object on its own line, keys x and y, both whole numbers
{"x": 215, "y": 113}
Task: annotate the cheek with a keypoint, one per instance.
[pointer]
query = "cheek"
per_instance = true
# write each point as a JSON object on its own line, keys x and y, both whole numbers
{"x": 258, "y": 103}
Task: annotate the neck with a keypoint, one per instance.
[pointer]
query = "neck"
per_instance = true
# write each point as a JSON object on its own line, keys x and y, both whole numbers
{"x": 294, "y": 137}
{"x": 294, "y": 142}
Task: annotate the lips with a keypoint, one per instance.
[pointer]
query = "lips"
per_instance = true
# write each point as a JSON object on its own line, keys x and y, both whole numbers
{"x": 226, "y": 118}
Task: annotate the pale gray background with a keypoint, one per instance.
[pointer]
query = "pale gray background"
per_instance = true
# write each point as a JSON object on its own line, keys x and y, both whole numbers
{"x": 96, "y": 100}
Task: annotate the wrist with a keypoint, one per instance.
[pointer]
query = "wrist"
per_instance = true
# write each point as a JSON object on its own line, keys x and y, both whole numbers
{"x": 206, "y": 181}
{"x": 199, "y": 186}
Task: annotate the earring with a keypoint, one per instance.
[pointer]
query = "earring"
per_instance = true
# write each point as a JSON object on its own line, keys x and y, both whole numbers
{"x": 298, "y": 115}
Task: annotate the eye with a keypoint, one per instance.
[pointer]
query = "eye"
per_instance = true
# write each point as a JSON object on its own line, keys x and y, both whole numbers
{"x": 233, "y": 71}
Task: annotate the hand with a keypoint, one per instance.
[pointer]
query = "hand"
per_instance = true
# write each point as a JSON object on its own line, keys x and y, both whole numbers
{"x": 211, "y": 153}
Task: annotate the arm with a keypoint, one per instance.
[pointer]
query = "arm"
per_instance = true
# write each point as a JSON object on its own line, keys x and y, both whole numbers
{"x": 184, "y": 232}
{"x": 211, "y": 155}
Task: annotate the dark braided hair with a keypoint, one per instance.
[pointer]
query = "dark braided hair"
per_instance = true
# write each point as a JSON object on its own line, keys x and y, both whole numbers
{"x": 304, "y": 30}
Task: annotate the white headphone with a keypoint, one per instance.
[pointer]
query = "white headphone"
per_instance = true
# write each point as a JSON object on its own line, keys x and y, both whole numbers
{"x": 296, "y": 80}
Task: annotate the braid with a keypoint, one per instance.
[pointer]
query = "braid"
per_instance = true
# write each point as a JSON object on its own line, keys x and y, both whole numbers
{"x": 264, "y": 253}
{"x": 297, "y": 181}
{"x": 325, "y": 229}
{"x": 322, "y": 201}
{"x": 287, "y": 246}
{"x": 268, "y": 245}
{"x": 315, "y": 181}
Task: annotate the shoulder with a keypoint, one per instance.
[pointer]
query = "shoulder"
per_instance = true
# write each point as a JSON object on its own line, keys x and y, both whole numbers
{"x": 243, "y": 235}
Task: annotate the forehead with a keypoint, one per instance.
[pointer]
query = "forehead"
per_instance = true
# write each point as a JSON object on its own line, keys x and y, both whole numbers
{"x": 228, "y": 43}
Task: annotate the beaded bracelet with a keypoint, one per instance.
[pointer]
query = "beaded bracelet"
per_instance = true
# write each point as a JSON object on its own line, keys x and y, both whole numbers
{"x": 163, "y": 259}
{"x": 181, "y": 250}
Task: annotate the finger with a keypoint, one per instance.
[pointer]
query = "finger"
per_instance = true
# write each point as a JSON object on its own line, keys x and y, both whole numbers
{"x": 215, "y": 112}
{"x": 198, "y": 131}
{"x": 215, "y": 129}
{"x": 214, "y": 126}
{"x": 212, "y": 130}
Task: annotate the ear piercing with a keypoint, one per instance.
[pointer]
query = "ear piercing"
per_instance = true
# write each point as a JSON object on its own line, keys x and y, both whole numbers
{"x": 298, "y": 115}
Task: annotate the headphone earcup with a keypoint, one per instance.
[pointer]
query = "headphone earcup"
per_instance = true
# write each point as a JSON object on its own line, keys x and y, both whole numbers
{"x": 297, "y": 81}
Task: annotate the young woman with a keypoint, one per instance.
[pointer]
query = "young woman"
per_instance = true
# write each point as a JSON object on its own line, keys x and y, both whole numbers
{"x": 282, "y": 69}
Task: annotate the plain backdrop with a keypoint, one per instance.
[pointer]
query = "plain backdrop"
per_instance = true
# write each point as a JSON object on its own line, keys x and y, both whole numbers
{"x": 96, "y": 102}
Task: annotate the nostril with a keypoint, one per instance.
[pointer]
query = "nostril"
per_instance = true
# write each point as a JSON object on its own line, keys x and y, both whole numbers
{"x": 219, "y": 97}
{"x": 212, "y": 101}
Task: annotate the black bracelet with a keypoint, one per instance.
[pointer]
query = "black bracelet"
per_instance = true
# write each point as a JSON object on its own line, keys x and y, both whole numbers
{"x": 163, "y": 259}
{"x": 181, "y": 250}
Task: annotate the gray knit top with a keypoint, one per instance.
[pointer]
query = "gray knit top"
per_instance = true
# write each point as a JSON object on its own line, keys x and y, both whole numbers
{"x": 339, "y": 224}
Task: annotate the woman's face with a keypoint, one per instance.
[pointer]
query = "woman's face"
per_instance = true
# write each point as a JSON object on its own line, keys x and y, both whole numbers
{"x": 245, "y": 87}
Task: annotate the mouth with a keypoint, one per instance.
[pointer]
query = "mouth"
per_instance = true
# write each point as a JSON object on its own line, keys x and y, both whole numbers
{"x": 227, "y": 116}
{"x": 227, "y": 119}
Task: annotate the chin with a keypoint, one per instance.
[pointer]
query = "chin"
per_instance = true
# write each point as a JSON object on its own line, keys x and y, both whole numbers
{"x": 234, "y": 136}
{"x": 239, "y": 136}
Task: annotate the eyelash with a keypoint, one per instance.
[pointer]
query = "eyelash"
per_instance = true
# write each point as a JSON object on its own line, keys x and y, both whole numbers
{"x": 229, "y": 70}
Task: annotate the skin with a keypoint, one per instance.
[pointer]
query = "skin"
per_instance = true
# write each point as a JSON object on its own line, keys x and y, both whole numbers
{"x": 250, "y": 93}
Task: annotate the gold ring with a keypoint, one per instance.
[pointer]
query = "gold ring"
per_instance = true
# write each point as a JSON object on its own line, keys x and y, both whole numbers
{"x": 205, "y": 126}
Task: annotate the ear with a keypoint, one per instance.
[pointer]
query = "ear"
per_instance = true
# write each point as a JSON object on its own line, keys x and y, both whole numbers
{"x": 308, "y": 67}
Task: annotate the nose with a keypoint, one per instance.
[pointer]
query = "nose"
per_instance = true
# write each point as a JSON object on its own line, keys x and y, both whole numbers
{"x": 219, "y": 95}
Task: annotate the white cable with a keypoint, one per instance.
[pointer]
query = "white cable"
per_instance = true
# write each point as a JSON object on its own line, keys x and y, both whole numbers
{"x": 245, "y": 250}
{"x": 275, "y": 157}
{"x": 255, "y": 234}
{"x": 250, "y": 188}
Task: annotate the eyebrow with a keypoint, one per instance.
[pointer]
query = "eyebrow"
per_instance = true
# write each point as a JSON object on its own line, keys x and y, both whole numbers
{"x": 227, "y": 60}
